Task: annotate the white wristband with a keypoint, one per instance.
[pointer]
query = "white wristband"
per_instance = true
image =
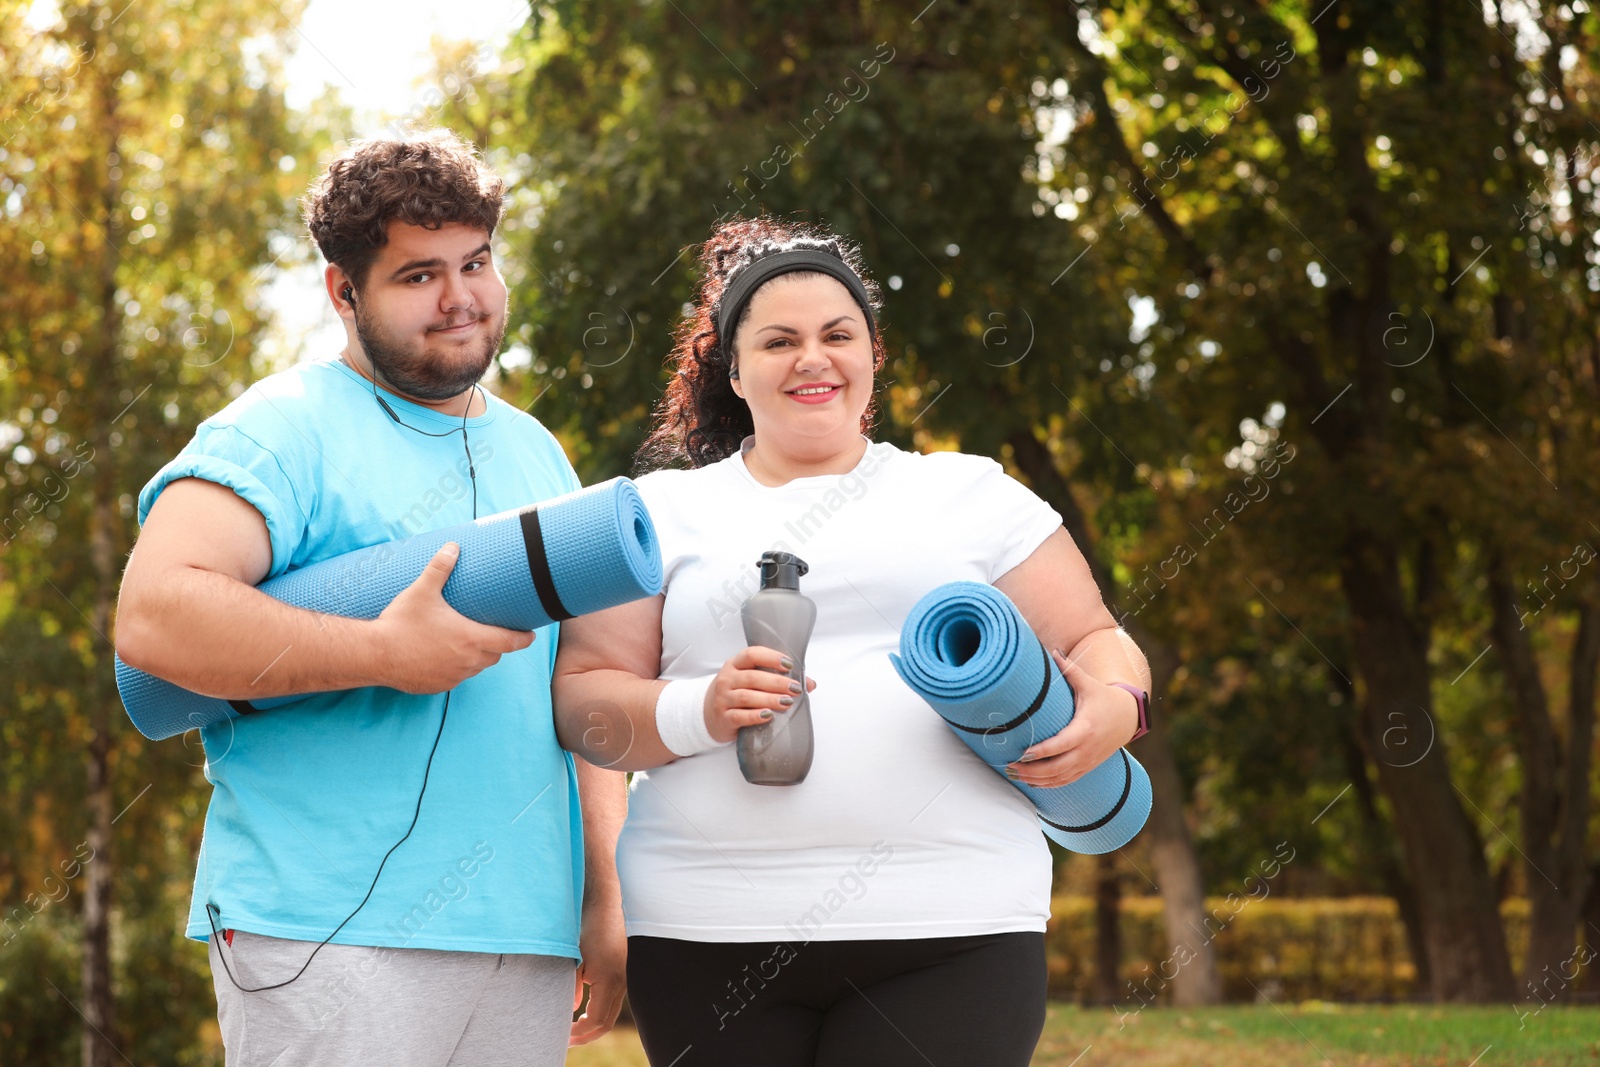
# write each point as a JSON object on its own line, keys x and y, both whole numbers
{"x": 681, "y": 717}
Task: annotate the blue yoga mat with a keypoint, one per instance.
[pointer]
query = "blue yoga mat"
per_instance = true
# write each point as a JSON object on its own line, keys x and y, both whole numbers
{"x": 570, "y": 555}
{"x": 966, "y": 650}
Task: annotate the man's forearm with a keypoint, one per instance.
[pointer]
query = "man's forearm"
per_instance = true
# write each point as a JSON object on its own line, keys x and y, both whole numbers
{"x": 219, "y": 637}
{"x": 603, "y": 797}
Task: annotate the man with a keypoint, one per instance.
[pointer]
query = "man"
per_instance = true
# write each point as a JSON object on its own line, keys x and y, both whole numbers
{"x": 393, "y": 869}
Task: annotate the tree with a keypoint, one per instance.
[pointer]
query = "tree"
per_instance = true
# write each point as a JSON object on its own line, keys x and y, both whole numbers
{"x": 1387, "y": 152}
{"x": 147, "y": 161}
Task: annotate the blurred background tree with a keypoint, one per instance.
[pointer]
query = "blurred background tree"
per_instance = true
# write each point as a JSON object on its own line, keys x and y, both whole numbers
{"x": 147, "y": 163}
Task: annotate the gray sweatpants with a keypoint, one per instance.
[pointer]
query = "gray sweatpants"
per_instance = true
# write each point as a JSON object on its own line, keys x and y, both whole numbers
{"x": 403, "y": 1007}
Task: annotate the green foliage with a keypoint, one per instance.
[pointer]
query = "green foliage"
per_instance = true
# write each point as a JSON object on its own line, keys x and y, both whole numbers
{"x": 164, "y": 988}
{"x": 147, "y": 159}
{"x": 37, "y": 1025}
{"x": 886, "y": 132}
{"x": 165, "y": 1001}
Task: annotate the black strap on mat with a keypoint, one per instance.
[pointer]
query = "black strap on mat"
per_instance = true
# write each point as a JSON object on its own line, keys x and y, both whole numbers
{"x": 1038, "y": 702}
{"x": 1127, "y": 787}
{"x": 539, "y": 568}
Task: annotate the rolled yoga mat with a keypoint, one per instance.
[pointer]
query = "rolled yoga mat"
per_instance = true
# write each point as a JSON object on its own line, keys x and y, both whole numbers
{"x": 570, "y": 555}
{"x": 966, "y": 650}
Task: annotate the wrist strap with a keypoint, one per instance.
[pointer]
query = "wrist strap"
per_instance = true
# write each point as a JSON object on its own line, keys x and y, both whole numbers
{"x": 1143, "y": 700}
{"x": 681, "y": 717}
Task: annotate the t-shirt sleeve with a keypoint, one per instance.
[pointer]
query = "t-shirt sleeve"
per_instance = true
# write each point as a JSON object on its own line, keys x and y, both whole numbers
{"x": 569, "y": 476}
{"x": 1020, "y": 519}
{"x": 540, "y": 442}
{"x": 228, "y": 456}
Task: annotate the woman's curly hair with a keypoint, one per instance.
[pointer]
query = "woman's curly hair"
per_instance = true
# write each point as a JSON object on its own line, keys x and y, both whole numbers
{"x": 701, "y": 420}
{"x": 428, "y": 180}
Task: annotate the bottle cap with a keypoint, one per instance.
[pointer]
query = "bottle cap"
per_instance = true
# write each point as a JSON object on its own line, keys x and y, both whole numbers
{"x": 781, "y": 570}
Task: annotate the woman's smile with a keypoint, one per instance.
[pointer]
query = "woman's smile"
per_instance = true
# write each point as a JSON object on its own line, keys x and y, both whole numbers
{"x": 816, "y": 394}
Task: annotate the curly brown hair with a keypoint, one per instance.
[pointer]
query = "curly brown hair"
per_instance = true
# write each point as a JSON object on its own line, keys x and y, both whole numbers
{"x": 427, "y": 180}
{"x": 701, "y": 420}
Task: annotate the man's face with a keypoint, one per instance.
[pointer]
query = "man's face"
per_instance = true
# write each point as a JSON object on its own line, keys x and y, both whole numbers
{"x": 432, "y": 313}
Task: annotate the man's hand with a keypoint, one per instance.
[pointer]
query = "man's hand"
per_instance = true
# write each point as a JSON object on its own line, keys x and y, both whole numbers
{"x": 1105, "y": 717}
{"x": 604, "y": 970}
{"x": 428, "y": 646}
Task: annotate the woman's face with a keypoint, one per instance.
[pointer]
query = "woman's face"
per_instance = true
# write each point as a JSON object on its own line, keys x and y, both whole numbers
{"x": 804, "y": 355}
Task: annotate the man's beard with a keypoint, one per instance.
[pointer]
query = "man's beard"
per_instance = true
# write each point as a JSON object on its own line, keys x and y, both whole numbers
{"x": 411, "y": 370}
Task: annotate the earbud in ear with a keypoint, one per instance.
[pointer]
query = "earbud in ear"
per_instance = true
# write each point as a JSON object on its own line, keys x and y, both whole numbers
{"x": 349, "y": 295}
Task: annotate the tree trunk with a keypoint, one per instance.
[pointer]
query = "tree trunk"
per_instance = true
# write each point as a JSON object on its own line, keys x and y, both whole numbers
{"x": 1181, "y": 884}
{"x": 1589, "y": 981}
{"x": 1107, "y": 929}
{"x": 100, "y": 1041}
{"x": 99, "y": 1006}
{"x": 1183, "y": 889}
{"x": 1557, "y": 913}
{"x": 1378, "y": 839}
{"x": 1554, "y": 803}
{"x": 1456, "y": 902}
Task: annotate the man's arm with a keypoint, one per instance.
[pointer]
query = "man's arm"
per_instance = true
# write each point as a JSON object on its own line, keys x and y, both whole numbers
{"x": 189, "y": 612}
{"x": 603, "y": 796}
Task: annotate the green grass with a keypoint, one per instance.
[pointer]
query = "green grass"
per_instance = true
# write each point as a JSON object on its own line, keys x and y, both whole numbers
{"x": 1315, "y": 1033}
{"x": 1256, "y": 1036}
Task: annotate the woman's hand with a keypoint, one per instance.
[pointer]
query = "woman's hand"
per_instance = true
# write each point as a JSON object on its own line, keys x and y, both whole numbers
{"x": 1104, "y": 719}
{"x": 749, "y": 690}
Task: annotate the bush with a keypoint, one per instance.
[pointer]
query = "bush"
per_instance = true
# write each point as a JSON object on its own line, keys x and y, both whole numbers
{"x": 1347, "y": 948}
{"x": 166, "y": 1012}
{"x": 37, "y": 1025}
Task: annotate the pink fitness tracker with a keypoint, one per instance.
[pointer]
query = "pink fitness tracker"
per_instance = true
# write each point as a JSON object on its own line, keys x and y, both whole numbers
{"x": 1144, "y": 708}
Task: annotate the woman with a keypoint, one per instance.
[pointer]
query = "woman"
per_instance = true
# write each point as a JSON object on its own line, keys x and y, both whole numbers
{"x": 890, "y": 908}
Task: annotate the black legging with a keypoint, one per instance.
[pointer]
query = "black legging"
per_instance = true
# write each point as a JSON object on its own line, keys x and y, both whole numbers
{"x": 946, "y": 1001}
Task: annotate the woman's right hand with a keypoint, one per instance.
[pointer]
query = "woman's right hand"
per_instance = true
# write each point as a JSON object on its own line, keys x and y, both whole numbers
{"x": 749, "y": 689}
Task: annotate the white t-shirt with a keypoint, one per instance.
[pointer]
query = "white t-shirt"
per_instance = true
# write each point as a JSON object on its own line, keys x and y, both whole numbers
{"x": 899, "y": 830}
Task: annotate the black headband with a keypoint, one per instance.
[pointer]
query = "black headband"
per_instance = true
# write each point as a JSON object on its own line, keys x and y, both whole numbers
{"x": 747, "y": 281}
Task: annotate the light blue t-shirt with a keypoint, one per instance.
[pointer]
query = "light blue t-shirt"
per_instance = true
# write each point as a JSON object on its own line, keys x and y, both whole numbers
{"x": 308, "y": 797}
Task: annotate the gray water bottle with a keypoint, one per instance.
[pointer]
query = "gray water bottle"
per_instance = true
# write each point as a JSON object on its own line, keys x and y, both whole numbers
{"x": 780, "y": 617}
